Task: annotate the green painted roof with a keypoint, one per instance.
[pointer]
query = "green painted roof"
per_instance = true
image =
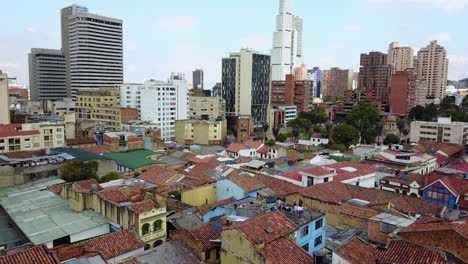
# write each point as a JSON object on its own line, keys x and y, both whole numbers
{"x": 283, "y": 165}
{"x": 133, "y": 159}
{"x": 44, "y": 216}
{"x": 81, "y": 154}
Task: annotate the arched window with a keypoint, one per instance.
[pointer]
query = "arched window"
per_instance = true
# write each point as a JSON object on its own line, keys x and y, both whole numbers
{"x": 147, "y": 246}
{"x": 157, "y": 225}
{"x": 145, "y": 229}
{"x": 157, "y": 243}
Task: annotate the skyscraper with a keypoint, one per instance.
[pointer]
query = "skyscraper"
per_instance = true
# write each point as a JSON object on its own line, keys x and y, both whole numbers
{"x": 432, "y": 67}
{"x": 287, "y": 42}
{"x": 401, "y": 58}
{"x": 374, "y": 77}
{"x": 47, "y": 74}
{"x": 335, "y": 82}
{"x": 246, "y": 84}
{"x": 291, "y": 92}
{"x": 93, "y": 49}
{"x": 197, "y": 79}
{"x": 315, "y": 75}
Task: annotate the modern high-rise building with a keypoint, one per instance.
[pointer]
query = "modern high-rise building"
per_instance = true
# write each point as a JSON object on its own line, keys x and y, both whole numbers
{"x": 374, "y": 77}
{"x": 300, "y": 73}
{"x": 197, "y": 79}
{"x": 216, "y": 90}
{"x": 315, "y": 75}
{"x": 93, "y": 49}
{"x": 405, "y": 92}
{"x": 4, "y": 99}
{"x": 335, "y": 83}
{"x": 401, "y": 58}
{"x": 432, "y": 67}
{"x": 159, "y": 102}
{"x": 246, "y": 84}
{"x": 291, "y": 93}
{"x": 47, "y": 75}
{"x": 287, "y": 42}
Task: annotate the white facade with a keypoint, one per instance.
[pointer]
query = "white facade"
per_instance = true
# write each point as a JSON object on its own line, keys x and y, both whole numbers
{"x": 159, "y": 102}
{"x": 287, "y": 42}
{"x": 314, "y": 141}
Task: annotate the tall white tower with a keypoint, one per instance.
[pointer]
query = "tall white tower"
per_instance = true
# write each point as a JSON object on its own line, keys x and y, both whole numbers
{"x": 287, "y": 42}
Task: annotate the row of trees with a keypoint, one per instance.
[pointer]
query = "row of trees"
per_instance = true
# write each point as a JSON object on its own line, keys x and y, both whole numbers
{"x": 447, "y": 107}
{"x": 77, "y": 170}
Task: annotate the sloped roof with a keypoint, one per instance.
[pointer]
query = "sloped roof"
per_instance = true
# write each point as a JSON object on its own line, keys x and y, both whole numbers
{"x": 158, "y": 175}
{"x": 236, "y": 147}
{"x": 143, "y": 206}
{"x": 33, "y": 255}
{"x": 246, "y": 182}
{"x": 86, "y": 186}
{"x": 280, "y": 187}
{"x": 447, "y": 148}
{"x": 356, "y": 251}
{"x": 202, "y": 210}
{"x": 253, "y": 144}
{"x": 283, "y": 250}
{"x": 424, "y": 224}
{"x": 205, "y": 233}
{"x": 133, "y": 159}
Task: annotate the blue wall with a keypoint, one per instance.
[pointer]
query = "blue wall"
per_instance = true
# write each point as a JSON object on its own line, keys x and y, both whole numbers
{"x": 226, "y": 189}
{"x": 218, "y": 211}
{"x": 450, "y": 203}
{"x": 313, "y": 233}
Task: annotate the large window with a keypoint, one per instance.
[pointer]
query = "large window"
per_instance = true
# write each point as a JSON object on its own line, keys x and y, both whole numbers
{"x": 387, "y": 228}
{"x": 145, "y": 229}
{"x": 445, "y": 197}
{"x": 318, "y": 224}
{"x": 306, "y": 247}
{"x": 305, "y": 231}
{"x": 157, "y": 225}
{"x": 318, "y": 241}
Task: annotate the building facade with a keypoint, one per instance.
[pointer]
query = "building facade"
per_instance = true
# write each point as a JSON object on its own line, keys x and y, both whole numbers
{"x": 93, "y": 49}
{"x": 405, "y": 92}
{"x": 374, "y": 77}
{"x": 315, "y": 75}
{"x": 200, "y": 132}
{"x": 4, "y": 100}
{"x": 246, "y": 84}
{"x": 432, "y": 68}
{"x": 400, "y": 58}
{"x": 47, "y": 74}
{"x": 31, "y": 137}
{"x": 287, "y": 42}
{"x": 291, "y": 92}
{"x": 206, "y": 107}
{"x": 444, "y": 131}
{"x": 159, "y": 102}
{"x": 335, "y": 83}
{"x": 197, "y": 79}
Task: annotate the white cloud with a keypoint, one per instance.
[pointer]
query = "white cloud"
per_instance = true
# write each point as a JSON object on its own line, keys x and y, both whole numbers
{"x": 32, "y": 30}
{"x": 456, "y": 59}
{"x": 352, "y": 28}
{"x": 336, "y": 45}
{"x": 256, "y": 42}
{"x": 9, "y": 65}
{"x": 439, "y": 36}
{"x": 458, "y": 67}
{"x": 451, "y": 7}
{"x": 184, "y": 48}
{"x": 177, "y": 23}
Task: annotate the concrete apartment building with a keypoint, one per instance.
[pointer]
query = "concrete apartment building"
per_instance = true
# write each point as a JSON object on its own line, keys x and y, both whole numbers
{"x": 93, "y": 49}
{"x": 102, "y": 105}
{"x": 291, "y": 92}
{"x": 374, "y": 77}
{"x": 432, "y": 68}
{"x": 31, "y": 136}
{"x": 201, "y": 132}
{"x": 335, "y": 82}
{"x": 202, "y": 107}
{"x": 444, "y": 131}
{"x": 4, "y": 99}
{"x": 197, "y": 79}
{"x": 315, "y": 75}
{"x": 400, "y": 58}
{"x": 159, "y": 102}
{"x": 47, "y": 74}
{"x": 286, "y": 54}
{"x": 246, "y": 84}
{"x": 405, "y": 92}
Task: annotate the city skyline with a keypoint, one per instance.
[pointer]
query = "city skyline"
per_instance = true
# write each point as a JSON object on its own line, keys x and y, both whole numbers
{"x": 186, "y": 33}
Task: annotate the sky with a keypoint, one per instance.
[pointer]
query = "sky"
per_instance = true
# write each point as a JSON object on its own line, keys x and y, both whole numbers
{"x": 163, "y": 36}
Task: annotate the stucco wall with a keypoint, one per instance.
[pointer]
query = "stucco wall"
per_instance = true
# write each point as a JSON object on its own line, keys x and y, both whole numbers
{"x": 199, "y": 196}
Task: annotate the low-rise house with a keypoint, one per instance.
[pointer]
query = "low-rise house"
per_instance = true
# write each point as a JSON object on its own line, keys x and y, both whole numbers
{"x": 271, "y": 152}
{"x": 202, "y": 132}
{"x": 173, "y": 252}
{"x": 450, "y": 151}
{"x": 450, "y": 191}
{"x": 385, "y": 226}
{"x": 135, "y": 160}
{"x": 421, "y": 163}
{"x": 247, "y": 149}
{"x": 231, "y": 207}
{"x": 29, "y": 255}
{"x": 85, "y": 142}
{"x": 280, "y": 188}
{"x": 404, "y": 183}
{"x": 160, "y": 176}
{"x": 237, "y": 185}
{"x": 122, "y": 141}
{"x": 316, "y": 139}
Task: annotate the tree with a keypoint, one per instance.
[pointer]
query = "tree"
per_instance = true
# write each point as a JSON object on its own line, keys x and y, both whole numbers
{"x": 109, "y": 177}
{"x": 406, "y": 131}
{"x": 391, "y": 139}
{"x": 328, "y": 126}
{"x": 340, "y": 98}
{"x": 281, "y": 137}
{"x": 430, "y": 112}
{"x": 366, "y": 119}
{"x": 416, "y": 113}
{"x": 270, "y": 142}
{"x": 77, "y": 170}
{"x": 327, "y": 98}
{"x": 265, "y": 127}
{"x": 345, "y": 135}
{"x": 401, "y": 124}
{"x": 276, "y": 129}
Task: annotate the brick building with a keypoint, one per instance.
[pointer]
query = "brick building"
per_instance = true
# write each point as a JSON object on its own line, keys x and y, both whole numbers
{"x": 405, "y": 92}
{"x": 291, "y": 92}
{"x": 335, "y": 82}
{"x": 374, "y": 77}
{"x": 122, "y": 141}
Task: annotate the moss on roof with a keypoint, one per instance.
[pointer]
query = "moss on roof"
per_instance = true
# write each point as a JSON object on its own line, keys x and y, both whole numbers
{"x": 133, "y": 159}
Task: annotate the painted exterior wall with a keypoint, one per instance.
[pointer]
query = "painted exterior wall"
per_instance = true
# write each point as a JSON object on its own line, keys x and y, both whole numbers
{"x": 218, "y": 211}
{"x": 440, "y": 188}
{"x": 313, "y": 233}
{"x": 238, "y": 250}
{"x": 199, "y": 196}
{"x": 226, "y": 189}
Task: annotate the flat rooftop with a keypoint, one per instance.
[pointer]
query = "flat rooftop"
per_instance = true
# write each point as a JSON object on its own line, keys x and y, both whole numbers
{"x": 44, "y": 216}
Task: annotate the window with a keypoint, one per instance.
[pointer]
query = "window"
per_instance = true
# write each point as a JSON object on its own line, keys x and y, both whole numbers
{"x": 318, "y": 241}
{"x": 318, "y": 224}
{"x": 325, "y": 179}
{"x": 387, "y": 228}
{"x": 305, "y": 231}
{"x": 147, "y": 246}
{"x": 157, "y": 225}
{"x": 157, "y": 243}
{"x": 145, "y": 229}
{"x": 306, "y": 247}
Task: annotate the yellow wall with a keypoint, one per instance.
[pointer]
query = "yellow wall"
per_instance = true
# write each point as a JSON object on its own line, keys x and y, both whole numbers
{"x": 236, "y": 249}
{"x": 150, "y": 218}
{"x": 199, "y": 196}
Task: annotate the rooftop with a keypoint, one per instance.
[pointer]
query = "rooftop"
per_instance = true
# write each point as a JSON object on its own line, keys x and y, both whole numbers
{"x": 32, "y": 255}
{"x": 158, "y": 175}
{"x": 81, "y": 154}
{"x": 43, "y": 216}
{"x": 133, "y": 159}
{"x": 173, "y": 252}
{"x": 306, "y": 217}
{"x": 280, "y": 187}
{"x": 245, "y": 181}
{"x": 77, "y": 141}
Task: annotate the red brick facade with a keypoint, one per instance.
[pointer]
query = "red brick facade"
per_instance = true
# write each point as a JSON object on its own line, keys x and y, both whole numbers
{"x": 291, "y": 92}
{"x": 128, "y": 114}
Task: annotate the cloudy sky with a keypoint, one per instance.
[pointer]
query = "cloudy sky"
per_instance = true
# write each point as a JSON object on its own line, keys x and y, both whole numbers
{"x": 163, "y": 36}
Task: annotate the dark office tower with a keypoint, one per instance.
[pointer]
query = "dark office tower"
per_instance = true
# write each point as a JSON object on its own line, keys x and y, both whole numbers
{"x": 93, "y": 49}
{"x": 197, "y": 79}
{"x": 246, "y": 91}
{"x": 374, "y": 77}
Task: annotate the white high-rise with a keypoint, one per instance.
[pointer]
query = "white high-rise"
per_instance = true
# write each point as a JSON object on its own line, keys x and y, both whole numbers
{"x": 287, "y": 42}
{"x": 159, "y": 102}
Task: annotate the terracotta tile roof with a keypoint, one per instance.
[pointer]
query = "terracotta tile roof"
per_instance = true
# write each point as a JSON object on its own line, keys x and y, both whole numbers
{"x": 86, "y": 186}
{"x": 454, "y": 184}
{"x": 196, "y": 179}
{"x": 333, "y": 192}
{"x": 344, "y": 174}
{"x": 319, "y": 135}
{"x": 204, "y": 233}
{"x": 294, "y": 175}
{"x": 15, "y": 130}
{"x": 440, "y": 158}
{"x": 424, "y": 224}
{"x": 33, "y": 255}
{"x": 202, "y": 210}
{"x": 246, "y": 182}
{"x": 280, "y": 187}
{"x": 114, "y": 244}
{"x": 243, "y": 159}
{"x": 235, "y": 147}
{"x": 283, "y": 250}
{"x": 463, "y": 166}
{"x": 20, "y": 154}
{"x": 253, "y": 144}
{"x": 113, "y": 196}
{"x": 448, "y": 148}
{"x": 399, "y": 251}
{"x": 419, "y": 178}
{"x": 356, "y": 251}
{"x": 263, "y": 150}
{"x": 143, "y": 206}
{"x": 266, "y": 227}
{"x": 317, "y": 171}
{"x": 158, "y": 175}
{"x": 186, "y": 156}
{"x": 130, "y": 261}
{"x": 78, "y": 141}
{"x": 55, "y": 188}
